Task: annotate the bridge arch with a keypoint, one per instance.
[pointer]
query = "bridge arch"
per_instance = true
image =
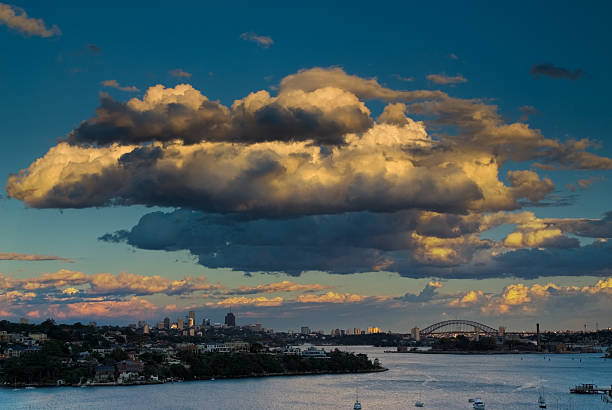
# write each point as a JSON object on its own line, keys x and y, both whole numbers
{"x": 458, "y": 326}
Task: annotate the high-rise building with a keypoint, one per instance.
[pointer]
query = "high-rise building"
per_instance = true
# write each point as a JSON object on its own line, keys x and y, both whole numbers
{"x": 160, "y": 325}
{"x": 415, "y": 333}
{"x": 230, "y": 320}
{"x": 145, "y": 329}
{"x": 304, "y": 330}
{"x": 167, "y": 323}
{"x": 373, "y": 330}
{"x": 190, "y": 323}
{"x": 141, "y": 324}
{"x": 192, "y": 315}
{"x": 357, "y": 331}
{"x": 180, "y": 323}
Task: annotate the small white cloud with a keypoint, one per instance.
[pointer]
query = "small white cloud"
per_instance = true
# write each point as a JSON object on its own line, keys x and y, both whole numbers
{"x": 444, "y": 79}
{"x": 401, "y": 78}
{"x": 115, "y": 84}
{"x": 262, "y": 41}
{"x": 179, "y": 73}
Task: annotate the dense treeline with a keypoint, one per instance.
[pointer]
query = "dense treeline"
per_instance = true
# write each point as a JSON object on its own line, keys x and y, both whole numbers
{"x": 373, "y": 339}
{"x": 462, "y": 343}
{"x": 43, "y": 367}
{"x": 47, "y": 366}
{"x": 207, "y": 365}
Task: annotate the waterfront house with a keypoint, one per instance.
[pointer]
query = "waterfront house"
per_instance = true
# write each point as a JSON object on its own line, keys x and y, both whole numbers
{"x": 105, "y": 374}
{"x": 130, "y": 366}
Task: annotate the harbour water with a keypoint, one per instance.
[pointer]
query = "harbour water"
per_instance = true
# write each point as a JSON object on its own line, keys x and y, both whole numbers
{"x": 444, "y": 381}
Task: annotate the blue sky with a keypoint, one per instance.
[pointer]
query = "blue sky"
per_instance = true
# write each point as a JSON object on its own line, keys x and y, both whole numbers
{"x": 50, "y": 84}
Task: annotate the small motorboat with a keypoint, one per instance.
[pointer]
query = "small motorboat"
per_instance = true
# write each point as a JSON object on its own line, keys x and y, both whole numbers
{"x": 479, "y": 404}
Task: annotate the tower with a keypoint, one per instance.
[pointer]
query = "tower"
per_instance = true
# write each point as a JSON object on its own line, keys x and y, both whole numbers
{"x": 230, "y": 320}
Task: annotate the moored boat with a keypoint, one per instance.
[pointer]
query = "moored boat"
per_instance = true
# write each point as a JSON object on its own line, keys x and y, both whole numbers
{"x": 479, "y": 404}
{"x": 357, "y": 405}
{"x": 419, "y": 402}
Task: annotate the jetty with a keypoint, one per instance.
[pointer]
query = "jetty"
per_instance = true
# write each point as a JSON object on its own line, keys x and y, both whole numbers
{"x": 590, "y": 389}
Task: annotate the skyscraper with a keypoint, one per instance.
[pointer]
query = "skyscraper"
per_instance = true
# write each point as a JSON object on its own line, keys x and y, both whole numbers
{"x": 230, "y": 320}
{"x": 167, "y": 323}
{"x": 192, "y": 315}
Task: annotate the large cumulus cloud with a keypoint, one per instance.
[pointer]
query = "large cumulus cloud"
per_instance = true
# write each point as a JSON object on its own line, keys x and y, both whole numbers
{"x": 388, "y": 168}
{"x": 308, "y": 179}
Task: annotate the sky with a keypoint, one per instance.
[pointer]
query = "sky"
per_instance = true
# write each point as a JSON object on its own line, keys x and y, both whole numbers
{"x": 330, "y": 165}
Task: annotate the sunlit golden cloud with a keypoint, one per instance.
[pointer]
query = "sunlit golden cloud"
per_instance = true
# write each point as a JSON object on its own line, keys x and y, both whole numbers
{"x": 17, "y": 19}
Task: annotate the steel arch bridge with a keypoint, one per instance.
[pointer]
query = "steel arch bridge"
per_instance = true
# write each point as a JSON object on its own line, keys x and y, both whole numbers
{"x": 457, "y": 327}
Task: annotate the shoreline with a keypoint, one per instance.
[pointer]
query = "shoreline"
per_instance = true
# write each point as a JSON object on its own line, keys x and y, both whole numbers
{"x": 146, "y": 383}
{"x": 484, "y": 352}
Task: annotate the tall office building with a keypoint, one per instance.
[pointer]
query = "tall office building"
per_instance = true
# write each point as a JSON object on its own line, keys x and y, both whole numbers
{"x": 230, "y": 320}
{"x": 190, "y": 323}
{"x": 180, "y": 324}
{"x": 415, "y": 333}
{"x": 305, "y": 330}
{"x": 192, "y": 315}
{"x": 167, "y": 323}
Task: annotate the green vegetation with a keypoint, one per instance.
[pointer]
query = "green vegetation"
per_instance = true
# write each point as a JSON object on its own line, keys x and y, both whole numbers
{"x": 462, "y": 343}
{"x": 43, "y": 367}
{"x": 248, "y": 364}
{"x": 47, "y": 367}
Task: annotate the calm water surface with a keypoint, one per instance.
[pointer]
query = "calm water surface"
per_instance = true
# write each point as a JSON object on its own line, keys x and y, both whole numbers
{"x": 444, "y": 381}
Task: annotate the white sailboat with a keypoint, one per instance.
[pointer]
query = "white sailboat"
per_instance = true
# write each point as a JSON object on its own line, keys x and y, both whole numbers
{"x": 542, "y": 401}
{"x": 357, "y": 405}
{"x": 419, "y": 402}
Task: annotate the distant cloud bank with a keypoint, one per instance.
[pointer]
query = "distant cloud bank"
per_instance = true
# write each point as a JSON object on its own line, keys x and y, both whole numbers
{"x": 14, "y": 256}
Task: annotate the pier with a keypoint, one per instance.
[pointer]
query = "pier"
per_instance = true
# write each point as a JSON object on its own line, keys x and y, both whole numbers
{"x": 590, "y": 389}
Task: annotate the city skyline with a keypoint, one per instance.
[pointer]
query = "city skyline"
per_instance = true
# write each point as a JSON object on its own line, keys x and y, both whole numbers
{"x": 306, "y": 172}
